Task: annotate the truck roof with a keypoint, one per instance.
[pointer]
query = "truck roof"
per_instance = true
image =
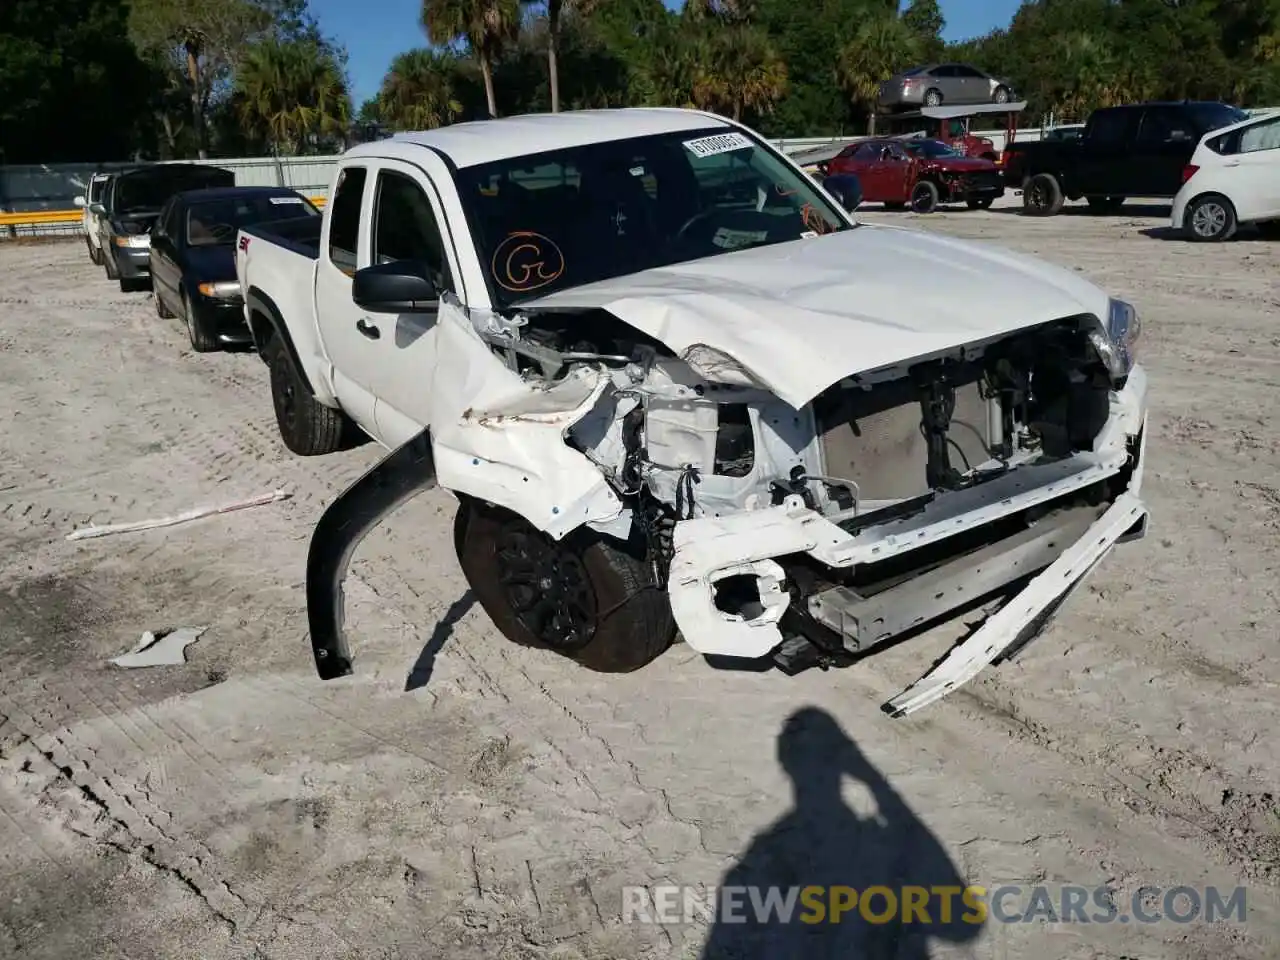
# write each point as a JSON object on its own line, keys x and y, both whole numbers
{"x": 483, "y": 141}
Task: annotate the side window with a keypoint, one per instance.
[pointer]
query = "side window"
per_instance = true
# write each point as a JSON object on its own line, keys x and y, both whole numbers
{"x": 405, "y": 227}
{"x": 944, "y": 71}
{"x": 869, "y": 152}
{"x": 344, "y": 219}
{"x": 1113, "y": 126}
{"x": 968, "y": 73}
{"x": 1261, "y": 136}
{"x": 1162, "y": 125}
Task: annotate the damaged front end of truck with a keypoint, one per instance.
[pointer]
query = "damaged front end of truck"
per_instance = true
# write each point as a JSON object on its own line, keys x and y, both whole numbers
{"x": 789, "y": 499}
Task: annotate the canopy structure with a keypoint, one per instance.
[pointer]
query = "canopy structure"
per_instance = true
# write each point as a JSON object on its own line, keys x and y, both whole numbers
{"x": 960, "y": 111}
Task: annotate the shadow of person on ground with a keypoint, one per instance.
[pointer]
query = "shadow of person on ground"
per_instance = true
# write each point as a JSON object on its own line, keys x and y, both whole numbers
{"x": 420, "y": 674}
{"x": 821, "y": 843}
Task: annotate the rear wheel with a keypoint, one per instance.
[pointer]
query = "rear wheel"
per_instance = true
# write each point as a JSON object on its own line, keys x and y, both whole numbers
{"x": 933, "y": 97}
{"x": 95, "y": 253}
{"x": 307, "y": 427}
{"x": 1105, "y": 204}
{"x": 1210, "y": 218}
{"x": 583, "y": 597}
{"x": 924, "y": 197}
{"x": 982, "y": 204}
{"x": 1042, "y": 196}
{"x": 109, "y": 265}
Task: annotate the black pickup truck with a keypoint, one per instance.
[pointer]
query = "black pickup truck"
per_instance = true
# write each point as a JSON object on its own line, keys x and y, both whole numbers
{"x": 1135, "y": 150}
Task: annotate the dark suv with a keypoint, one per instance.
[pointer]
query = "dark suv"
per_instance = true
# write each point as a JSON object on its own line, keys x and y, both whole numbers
{"x": 1135, "y": 150}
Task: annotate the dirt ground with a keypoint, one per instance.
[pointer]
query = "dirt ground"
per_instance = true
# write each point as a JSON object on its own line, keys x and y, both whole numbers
{"x": 463, "y": 797}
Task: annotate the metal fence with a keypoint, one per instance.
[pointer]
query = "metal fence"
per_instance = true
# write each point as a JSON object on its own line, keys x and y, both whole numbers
{"x": 39, "y": 199}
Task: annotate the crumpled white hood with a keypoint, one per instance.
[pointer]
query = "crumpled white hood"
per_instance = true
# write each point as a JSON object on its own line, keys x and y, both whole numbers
{"x": 801, "y": 316}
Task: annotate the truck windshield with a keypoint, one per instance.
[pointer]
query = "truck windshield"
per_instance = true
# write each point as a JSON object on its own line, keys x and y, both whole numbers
{"x": 560, "y": 219}
{"x": 212, "y": 223}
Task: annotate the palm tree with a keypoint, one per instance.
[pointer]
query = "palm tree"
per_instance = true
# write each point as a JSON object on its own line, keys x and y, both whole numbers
{"x": 555, "y": 12}
{"x": 419, "y": 91}
{"x": 293, "y": 92}
{"x": 881, "y": 47}
{"x": 486, "y": 26}
{"x": 743, "y": 71}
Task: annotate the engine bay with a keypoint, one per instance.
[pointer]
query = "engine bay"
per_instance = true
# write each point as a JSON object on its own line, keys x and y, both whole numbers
{"x": 868, "y": 449}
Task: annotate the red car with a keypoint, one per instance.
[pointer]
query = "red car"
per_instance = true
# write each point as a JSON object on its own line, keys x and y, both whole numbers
{"x": 918, "y": 172}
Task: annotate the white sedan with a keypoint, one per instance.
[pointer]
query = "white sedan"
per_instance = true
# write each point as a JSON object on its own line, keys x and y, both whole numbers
{"x": 1233, "y": 178}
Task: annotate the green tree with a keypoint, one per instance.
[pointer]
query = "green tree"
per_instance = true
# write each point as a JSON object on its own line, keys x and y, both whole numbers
{"x": 205, "y": 40}
{"x": 294, "y": 92}
{"x": 487, "y": 27}
{"x": 881, "y": 47}
{"x": 72, "y": 87}
{"x": 420, "y": 91}
{"x": 924, "y": 18}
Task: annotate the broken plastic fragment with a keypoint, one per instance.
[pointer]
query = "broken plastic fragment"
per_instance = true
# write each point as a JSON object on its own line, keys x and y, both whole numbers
{"x": 169, "y": 649}
{"x": 198, "y": 513}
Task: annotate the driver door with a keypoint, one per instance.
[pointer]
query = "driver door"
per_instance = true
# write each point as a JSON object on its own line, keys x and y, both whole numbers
{"x": 897, "y": 174}
{"x": 408, "y": 224}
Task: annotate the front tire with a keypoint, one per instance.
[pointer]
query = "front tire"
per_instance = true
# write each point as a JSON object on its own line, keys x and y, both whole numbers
{"x": 1210, "y": 219}
{"x": 1042, "y": 196}
{"x": 202, "y": 341}
{"x": 307, "y": 427}
{"x": 95, "y": 253}
{"x": 585, "y": 597}
{"x": 109, "y": 265}
{"x": 924, "y": 197}
{"x": 1001, "y": 95}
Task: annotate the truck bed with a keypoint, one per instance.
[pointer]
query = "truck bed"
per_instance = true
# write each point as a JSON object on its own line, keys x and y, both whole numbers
{"x": 300, "y": 235}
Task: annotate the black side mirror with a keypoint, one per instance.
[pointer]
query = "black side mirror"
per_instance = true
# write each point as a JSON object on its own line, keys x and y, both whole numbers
{"x": 846, "y": 188}
{"x": 401, "y": 286}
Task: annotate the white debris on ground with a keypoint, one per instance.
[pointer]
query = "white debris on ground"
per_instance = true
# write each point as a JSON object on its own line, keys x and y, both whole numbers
{"x": 167, "y": 649}
{"x": 463, "y": 797}
{"x": 187, "y": 516}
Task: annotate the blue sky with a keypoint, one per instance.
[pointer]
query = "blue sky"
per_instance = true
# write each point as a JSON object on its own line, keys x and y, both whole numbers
{"x": 374, "y": 31}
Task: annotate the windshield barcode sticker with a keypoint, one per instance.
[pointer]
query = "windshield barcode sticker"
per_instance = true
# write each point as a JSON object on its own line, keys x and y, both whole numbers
{"x": 286, "y": 199}
{"x": 720, "y": 143}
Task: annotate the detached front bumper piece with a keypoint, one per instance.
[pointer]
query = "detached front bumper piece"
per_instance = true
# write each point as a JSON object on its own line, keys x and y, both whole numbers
{"x": 391, "y": 482}
{"x": 1022, "y": 616}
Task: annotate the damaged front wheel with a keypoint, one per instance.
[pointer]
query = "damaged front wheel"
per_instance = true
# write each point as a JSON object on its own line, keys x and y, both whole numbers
{"x": 584, "y": 597}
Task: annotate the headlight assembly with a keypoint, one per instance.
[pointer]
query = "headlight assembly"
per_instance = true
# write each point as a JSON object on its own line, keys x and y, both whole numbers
{"x": 227, "y": 290}
{"x": 1117, "y": 344}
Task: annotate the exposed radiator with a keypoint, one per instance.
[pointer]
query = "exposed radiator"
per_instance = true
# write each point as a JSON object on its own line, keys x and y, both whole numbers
{"x": 887, "y": 454}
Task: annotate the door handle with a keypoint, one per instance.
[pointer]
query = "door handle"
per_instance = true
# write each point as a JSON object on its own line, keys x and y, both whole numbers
{"x": 1231, "y": 163}
{"x": 368, "y": 329}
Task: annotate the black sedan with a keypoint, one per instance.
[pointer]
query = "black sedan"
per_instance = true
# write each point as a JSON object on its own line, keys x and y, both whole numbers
{"x": 193, "y": 264}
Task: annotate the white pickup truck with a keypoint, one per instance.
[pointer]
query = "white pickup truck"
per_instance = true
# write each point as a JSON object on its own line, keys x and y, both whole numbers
{"x": 675, "y": 384}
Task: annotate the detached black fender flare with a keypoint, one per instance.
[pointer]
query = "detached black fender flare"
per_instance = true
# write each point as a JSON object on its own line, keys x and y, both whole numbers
{"x": 390, "y": 483}
{"x": 261, "y": 305}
